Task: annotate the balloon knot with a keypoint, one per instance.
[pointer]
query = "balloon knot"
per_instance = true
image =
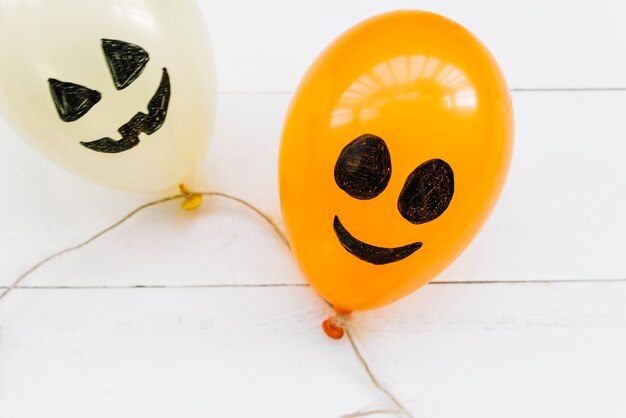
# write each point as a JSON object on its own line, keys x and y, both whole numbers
{"x": 191, "y": 200}
{"x": 334, "y": 326}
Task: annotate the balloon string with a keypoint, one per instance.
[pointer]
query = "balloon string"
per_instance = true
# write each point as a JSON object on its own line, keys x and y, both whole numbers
{"x": 183, "y": 195}
{"x": 369, "y": 413}
{"x": 253, "y": 208}
{"x": 343, "y": 322}
{"x": 191, "y": 201}
{"x": 88, "y": 241}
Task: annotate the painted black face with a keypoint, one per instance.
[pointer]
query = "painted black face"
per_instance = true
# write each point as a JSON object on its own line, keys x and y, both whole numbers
{"x": 363, "y": 170}
{"x": 126, "y": 62}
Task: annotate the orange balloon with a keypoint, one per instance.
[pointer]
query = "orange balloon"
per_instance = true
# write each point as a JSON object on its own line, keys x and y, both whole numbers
{"x": 394, "y": 152}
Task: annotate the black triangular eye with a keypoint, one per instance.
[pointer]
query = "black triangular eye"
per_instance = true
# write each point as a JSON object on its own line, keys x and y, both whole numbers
{"x": 126, "y": 61}
{"x": 72, "y": 101}
{"x": 363, "y": 168}
{"x": 427, "y": 192}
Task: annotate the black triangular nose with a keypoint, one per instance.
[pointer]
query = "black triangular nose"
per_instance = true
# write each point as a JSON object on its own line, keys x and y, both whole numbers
{"x": 126, "y": 61}
{"x": 72, "y": 100}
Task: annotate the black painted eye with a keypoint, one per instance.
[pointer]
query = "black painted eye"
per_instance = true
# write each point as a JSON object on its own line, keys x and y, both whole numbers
{"x": 72, "y": 101}
{"x": 363, "y": 168}
{"x": 427, "y": 192}
{"x": 126, "y": 61}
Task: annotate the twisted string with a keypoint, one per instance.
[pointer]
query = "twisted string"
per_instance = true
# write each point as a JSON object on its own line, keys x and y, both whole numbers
{"x": 183, "y": 195}
{"x": 253, "y": 208}
{"x": 343, "y": 321}
{"x": 191, "y": 201}
{"x": 88, "y": 241}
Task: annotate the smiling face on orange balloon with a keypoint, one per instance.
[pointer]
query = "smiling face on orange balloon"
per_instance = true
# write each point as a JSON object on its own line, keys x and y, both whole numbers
{"x": 394, "y": 152}
{"x": 363, "y": 171}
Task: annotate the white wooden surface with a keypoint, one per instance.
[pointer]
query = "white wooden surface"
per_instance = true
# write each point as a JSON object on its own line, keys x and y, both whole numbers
{"x": 205, "y": 336}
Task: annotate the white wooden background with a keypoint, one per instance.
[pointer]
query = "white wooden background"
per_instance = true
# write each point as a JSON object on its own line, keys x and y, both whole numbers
{"x": 205, "y": 314}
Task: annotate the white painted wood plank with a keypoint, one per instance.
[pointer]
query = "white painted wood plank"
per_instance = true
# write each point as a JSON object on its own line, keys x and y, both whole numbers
{"x": 533, "y": 350}
{"x": 561, "y": 215}
{"x": 268, "y": 45}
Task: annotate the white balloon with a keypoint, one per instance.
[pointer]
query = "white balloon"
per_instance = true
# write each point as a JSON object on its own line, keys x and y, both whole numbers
{"x": 119, "y": 91}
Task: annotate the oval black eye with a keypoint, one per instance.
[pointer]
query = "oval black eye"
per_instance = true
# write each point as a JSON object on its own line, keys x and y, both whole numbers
{"x": 363, "y": 168}
{"x": 427, "y": 192}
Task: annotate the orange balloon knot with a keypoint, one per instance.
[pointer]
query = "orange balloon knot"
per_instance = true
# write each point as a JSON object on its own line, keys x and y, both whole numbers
{"x": 192, "y": 200}
{"x": 335, "y": 326}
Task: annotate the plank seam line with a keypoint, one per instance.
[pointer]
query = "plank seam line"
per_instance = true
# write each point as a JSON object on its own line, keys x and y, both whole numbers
{"x": 279, "y": 285}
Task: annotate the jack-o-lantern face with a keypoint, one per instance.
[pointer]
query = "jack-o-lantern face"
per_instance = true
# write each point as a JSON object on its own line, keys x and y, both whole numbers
{"x": 121, "y": 92}
{"x": 126, "y": 62}
{"x": 363, "y": 171}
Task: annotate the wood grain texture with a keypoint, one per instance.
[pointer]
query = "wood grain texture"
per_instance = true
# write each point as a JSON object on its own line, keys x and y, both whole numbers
{"x": 448, "y": 351}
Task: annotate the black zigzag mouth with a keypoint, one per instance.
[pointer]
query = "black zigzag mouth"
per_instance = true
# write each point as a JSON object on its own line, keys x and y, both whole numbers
{"x": 138, "y": 124}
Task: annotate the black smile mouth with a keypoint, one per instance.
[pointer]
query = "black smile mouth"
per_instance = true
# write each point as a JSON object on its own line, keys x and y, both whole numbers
{"x": 370, "y": 253}
{"x": 140, "y": 123}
